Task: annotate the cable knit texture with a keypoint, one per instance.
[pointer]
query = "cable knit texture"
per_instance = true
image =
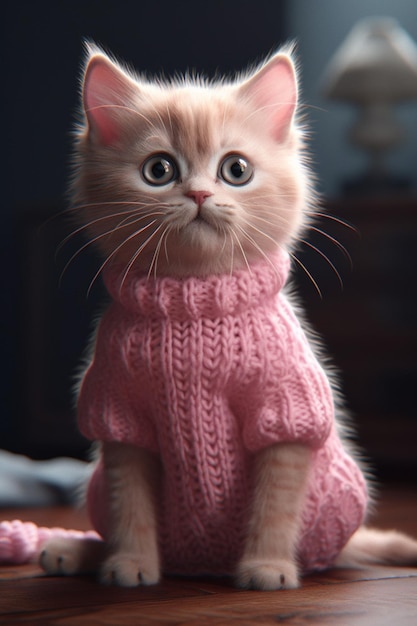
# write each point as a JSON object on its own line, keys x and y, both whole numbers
{"x": 206, "y": 372}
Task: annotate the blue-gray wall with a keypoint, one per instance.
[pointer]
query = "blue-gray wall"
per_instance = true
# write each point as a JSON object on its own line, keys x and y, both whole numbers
{"x": 319, "y": 27}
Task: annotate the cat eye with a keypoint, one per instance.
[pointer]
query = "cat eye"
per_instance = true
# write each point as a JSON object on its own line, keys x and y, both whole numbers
{"x": 159, "y": 169}
{"x": 235, "y": 170}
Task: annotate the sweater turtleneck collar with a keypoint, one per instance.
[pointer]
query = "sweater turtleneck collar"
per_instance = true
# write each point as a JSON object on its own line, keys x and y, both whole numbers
{"x": 212, "y": 296}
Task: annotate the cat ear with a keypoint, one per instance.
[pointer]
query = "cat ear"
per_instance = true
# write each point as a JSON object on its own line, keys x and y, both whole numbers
{"x": 106, "y": 91}
{"x": 273, "y": 93}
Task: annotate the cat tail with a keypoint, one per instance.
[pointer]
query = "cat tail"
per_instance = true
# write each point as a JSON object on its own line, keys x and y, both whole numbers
{"x": 22, "y": 542}
{"x": 369, "y": 546}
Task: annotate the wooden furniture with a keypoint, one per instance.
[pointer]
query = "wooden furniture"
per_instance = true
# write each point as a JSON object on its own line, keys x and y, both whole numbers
{"x": 370, "y": 326}
{"x": 55, "y": 320}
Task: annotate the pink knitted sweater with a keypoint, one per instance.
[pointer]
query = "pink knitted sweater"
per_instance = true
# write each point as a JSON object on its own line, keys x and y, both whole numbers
{"x": 205, "y": 373}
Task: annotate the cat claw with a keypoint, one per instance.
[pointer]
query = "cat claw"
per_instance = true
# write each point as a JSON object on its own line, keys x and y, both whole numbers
{"x": 267, "y": 575}
{"x": 68, "y": 556}
{"x": 59, "y": 558}
{"x": 126, "y": 570}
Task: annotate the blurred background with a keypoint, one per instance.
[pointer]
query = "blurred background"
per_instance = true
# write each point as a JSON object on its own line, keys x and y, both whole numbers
{"x": 369, "y": 326}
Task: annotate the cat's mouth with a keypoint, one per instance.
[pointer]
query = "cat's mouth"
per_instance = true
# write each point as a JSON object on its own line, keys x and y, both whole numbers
{"x": 199, "y": 219}
{"x": 203, "y": 218}
{"x": 201, "y": 231}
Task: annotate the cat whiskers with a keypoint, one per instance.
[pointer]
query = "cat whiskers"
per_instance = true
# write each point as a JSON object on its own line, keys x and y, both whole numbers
{"x": 303, "y": 267}
{"x": 225, "y": 232}
{"x": 163, "y": 239}
{"x": 81, "y": 207}
{"x": 325, "y": 257}
{"x": 321, "y": 232}
{"x": 131, "y": 213}
{"x": 137, "y": 254}
{"x": 338, "y": 220}
{"x": 232, "y": 254}
{"x": 333, "y": 240}
{"x": 109, "y": 233}
{"x": 116, "y": 250}
{"x": 255, "y": 245}
{"x": 242, "y": 251}
{"x": 318, "y": 251}
{"x": 292, "y": 255}
{"x": 89, "y": 243}
{"x": 277, "y": 196}
{"x": 337, "y": 243}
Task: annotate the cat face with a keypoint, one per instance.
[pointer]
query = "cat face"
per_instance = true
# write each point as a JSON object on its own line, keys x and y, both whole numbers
{"x": 188, "y": 177}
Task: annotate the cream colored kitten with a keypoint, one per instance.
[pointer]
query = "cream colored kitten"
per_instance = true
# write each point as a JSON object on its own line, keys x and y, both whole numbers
{"x": 191, "y": 179}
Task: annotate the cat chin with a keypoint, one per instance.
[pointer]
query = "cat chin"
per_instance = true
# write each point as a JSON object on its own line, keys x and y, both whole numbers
{"x": 201, "y": 237}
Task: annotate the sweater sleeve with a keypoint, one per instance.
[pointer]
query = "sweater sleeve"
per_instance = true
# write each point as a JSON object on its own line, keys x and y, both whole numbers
{"x": 112, "y": 400}
{"x": 295, "y": 403}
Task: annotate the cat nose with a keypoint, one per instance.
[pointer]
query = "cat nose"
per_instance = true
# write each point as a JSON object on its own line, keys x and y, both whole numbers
{"x": 199, "y": 196}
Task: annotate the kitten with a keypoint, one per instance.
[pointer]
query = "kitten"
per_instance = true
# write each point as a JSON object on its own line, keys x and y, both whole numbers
{"x": 220, "y": 450}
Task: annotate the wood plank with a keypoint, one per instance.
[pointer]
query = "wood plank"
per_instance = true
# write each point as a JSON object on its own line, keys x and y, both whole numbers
{"x": 340, "y": 597}
{"x": 363, "y": 604}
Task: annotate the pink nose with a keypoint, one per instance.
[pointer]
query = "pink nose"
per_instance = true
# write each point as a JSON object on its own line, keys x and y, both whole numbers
{"x": 199, "y": 196}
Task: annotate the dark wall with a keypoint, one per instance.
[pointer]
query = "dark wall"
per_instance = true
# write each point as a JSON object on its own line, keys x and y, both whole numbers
{"x": 43, "y": 50}
{"x": 44, "y": 326}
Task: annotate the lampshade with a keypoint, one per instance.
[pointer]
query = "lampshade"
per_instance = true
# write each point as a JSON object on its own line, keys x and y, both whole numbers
{"x": 377, "y": 61}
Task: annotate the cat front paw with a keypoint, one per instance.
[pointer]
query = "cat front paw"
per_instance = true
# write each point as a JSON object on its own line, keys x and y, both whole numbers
{"x": 70, "y": 556}
{"x": 267, "y": 574}
{"x": 127, "y": 570}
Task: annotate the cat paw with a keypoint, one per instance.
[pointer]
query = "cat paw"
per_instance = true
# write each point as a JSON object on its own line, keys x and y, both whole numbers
{"x": 126, "y": 570}
{"x": 267, "y": 575}
{"x": 70, "y": 556}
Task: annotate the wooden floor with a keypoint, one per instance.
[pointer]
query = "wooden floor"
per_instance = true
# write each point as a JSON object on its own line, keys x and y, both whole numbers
{"x": 373, "y": 597}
